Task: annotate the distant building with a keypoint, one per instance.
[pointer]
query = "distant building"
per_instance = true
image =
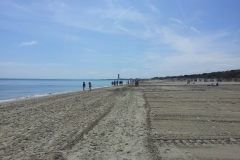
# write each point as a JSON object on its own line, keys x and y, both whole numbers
{"x": 118, "y": 76}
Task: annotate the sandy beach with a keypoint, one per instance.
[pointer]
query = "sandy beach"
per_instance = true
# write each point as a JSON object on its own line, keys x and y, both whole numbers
{"x": 157, "y": 120}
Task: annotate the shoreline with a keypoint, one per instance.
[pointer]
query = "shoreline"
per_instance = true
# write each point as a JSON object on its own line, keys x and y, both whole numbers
{"x": 12, "y": 89}
{"x": 47, "y": 94}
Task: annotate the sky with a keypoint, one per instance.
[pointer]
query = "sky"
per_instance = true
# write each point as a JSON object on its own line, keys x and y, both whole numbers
{"x": 76, "y": 39}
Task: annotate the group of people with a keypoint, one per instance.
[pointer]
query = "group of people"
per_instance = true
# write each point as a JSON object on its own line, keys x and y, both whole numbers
{"x": 188, "y": 82}
{"x": 115, "y": 83}
{"x": 213, "y": 84}
{"x": 89, "y": 86}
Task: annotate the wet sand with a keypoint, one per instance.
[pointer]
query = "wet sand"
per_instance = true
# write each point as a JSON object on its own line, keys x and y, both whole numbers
{"x": 157, "y": 120}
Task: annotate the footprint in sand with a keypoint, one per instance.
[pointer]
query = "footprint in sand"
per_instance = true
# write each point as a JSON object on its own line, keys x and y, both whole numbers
{"x": 167, "y": 150}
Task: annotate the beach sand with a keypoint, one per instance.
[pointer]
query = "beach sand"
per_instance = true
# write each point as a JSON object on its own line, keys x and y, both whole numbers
{"x": 157, "y": 120}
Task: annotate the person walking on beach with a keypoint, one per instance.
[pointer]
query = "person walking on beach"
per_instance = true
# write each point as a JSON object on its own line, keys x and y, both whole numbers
{"x": 90, "y": 85}
{"x": 136, "y": 83}
{"x": 84, "y": 85}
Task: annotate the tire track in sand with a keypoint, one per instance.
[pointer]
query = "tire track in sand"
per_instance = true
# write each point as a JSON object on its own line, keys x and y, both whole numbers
{"x": 119, "y": 135}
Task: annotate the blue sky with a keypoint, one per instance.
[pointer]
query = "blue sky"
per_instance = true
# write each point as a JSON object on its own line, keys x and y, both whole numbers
{"x": 133, "y": 38}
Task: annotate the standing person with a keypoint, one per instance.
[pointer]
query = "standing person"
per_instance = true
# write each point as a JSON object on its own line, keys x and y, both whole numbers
{"x": 83, "y": 86}
{"x": 90, "y": 85}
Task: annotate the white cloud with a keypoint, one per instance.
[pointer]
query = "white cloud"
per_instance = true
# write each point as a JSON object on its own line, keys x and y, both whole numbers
{"x": 152, "y": 8}
{"x": 198, "y": 16}
{"x": 29, "y": 43}
{"x": 176, "y": 20}
{"x": 109, "y": 18}
{"x": 189, "y": 54}
{"x": 184, "y": 63}
{"x": 195, "y": 29}
{"x": 181, "y": 44}
{"x": 4, "y": 64}
{"x": 125, "y": 11}
{"x": 129, "y": 70}
{"x": 57, "y": 6}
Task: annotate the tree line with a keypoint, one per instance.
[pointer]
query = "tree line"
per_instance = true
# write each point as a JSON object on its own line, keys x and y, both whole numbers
{"x": 220, "y": 74}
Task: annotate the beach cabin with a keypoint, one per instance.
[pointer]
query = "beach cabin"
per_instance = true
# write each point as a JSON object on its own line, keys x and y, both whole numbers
{"x": 206, "y": 80}
{"x": 201, "y": 79}
{"x": 228, "y": 79}
{"x": 212, "y": 80}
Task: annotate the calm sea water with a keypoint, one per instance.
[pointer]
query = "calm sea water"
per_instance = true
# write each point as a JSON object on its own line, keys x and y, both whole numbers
{"x": 11, "y": 89}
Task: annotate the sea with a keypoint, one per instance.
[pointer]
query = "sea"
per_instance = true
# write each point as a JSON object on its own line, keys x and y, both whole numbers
{"x": 14, "y": 89}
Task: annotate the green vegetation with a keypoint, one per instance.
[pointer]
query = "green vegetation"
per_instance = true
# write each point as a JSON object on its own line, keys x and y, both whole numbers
{"x": 220, "y": 74}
